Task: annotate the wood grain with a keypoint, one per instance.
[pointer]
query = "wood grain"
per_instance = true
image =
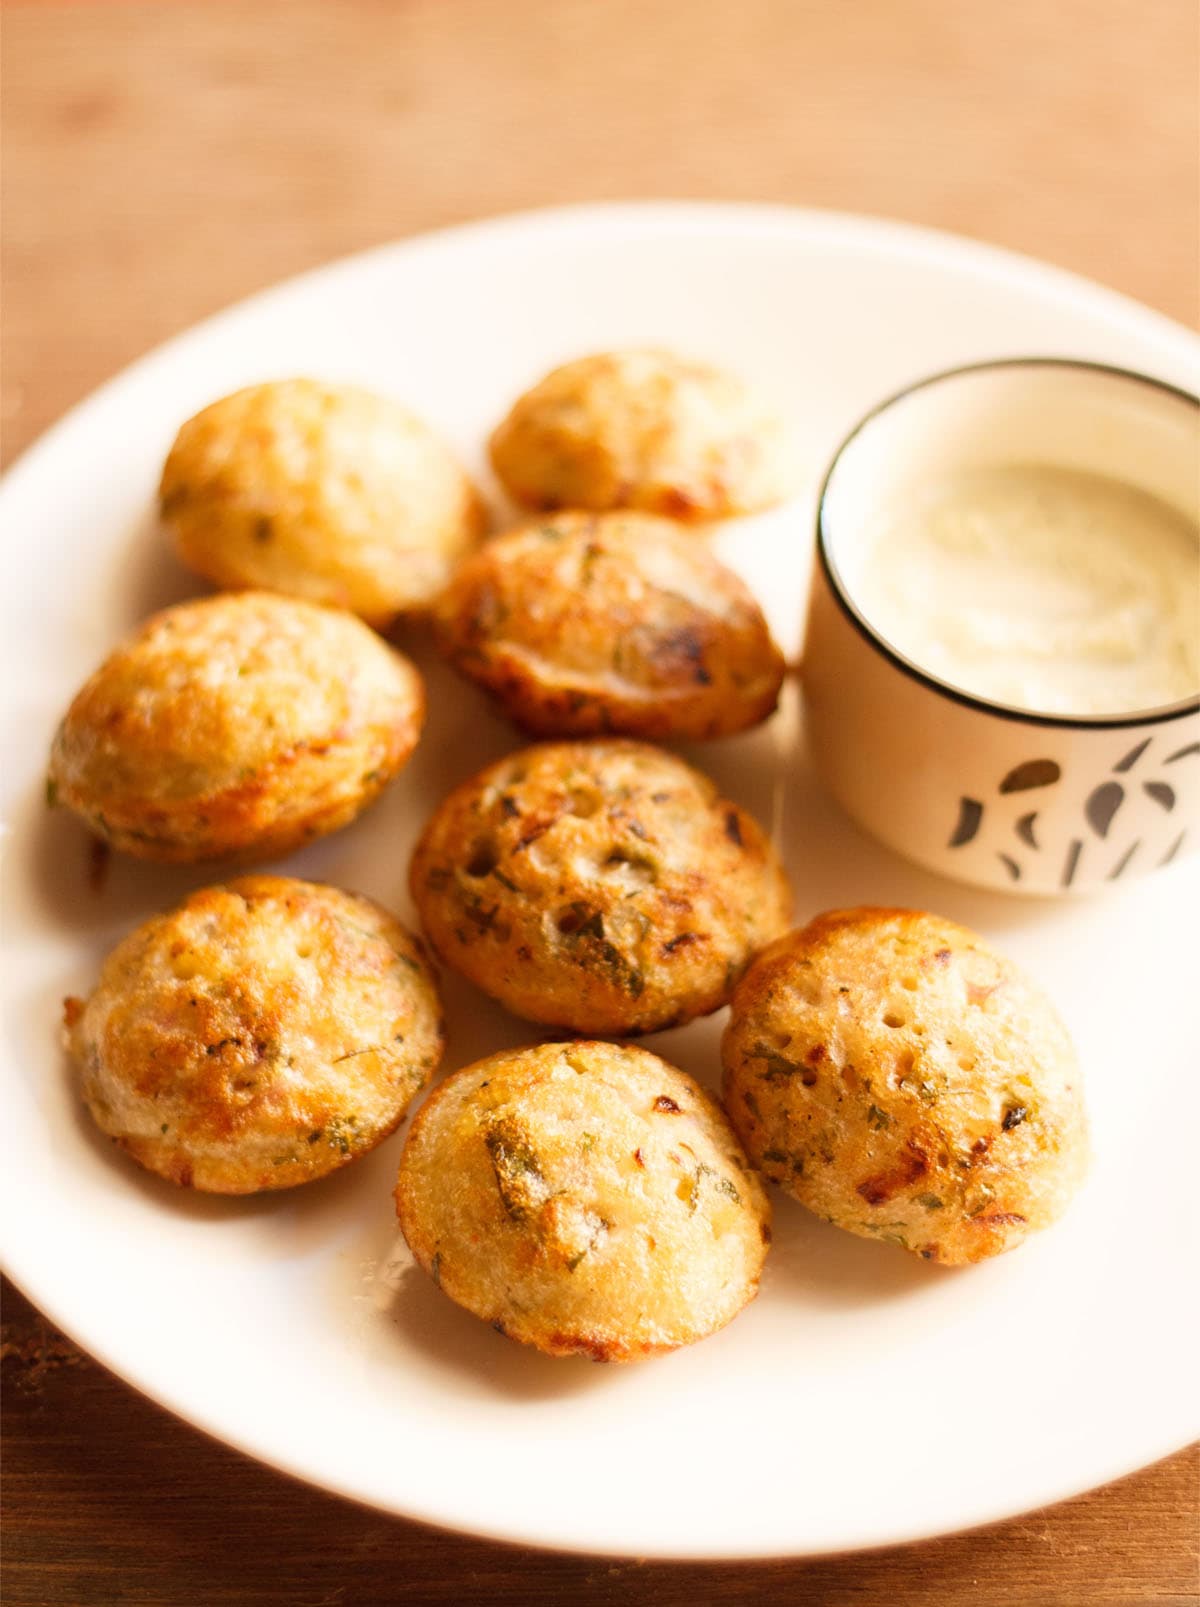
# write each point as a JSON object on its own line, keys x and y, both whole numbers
{"x": 161, "y": 160}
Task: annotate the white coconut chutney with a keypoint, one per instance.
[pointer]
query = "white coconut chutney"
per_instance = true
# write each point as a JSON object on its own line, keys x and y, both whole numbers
{"x": 1041, "y": 587}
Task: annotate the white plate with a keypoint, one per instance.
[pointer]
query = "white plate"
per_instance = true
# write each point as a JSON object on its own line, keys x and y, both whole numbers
{"x": 864, "y": 1397}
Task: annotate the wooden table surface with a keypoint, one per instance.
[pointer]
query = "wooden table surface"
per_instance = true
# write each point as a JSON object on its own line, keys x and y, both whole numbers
{"x": 160, "y": 160}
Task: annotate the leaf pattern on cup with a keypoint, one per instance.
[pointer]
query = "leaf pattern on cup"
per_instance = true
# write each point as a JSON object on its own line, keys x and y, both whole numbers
{"x": 1100, "y": 811}
{"x": 1102, "y": 805}
{"x": 1032, "y": 773}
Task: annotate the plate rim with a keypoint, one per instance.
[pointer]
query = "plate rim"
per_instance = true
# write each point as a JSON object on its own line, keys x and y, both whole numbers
{"x": 664, "y": 218}
{"x": 1117, "y": 1470}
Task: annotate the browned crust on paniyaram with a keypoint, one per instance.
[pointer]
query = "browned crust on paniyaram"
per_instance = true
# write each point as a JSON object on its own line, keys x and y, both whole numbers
{"x": 907, "y": 1083}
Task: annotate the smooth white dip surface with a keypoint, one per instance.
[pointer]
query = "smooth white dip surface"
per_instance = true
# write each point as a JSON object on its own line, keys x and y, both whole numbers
{"x": 1040, "y": 587}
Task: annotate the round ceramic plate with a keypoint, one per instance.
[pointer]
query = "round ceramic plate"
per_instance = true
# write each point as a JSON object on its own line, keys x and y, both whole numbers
{"x": 865, "y": 1397}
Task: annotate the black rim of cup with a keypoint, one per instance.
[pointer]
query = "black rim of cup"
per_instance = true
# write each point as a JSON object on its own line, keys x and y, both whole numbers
{"x": 1004, "y": 711}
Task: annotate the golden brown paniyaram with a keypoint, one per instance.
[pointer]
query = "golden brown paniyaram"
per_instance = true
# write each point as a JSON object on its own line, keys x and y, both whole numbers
{"x": 581, "y": 624}
{"x": 260, "y": 1035}
{"x": 585, "y": 1198}
{"x": 327, "y": 492}
{"x": 906, "y": 1083}
{"x": 643, "y": 429}
{"x": 241, "y": 723}
{"x": 601, "y": 887}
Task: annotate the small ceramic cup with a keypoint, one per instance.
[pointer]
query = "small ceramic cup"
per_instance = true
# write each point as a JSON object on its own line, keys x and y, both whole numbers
{"x": 996, "y": 796}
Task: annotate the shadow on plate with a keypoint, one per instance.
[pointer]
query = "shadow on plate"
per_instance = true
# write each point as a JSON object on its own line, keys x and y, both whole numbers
{"x": 835, "y": 865}
{"x": 151, "y": 575}
{"x": 817, "y": 1265}
{"x": 464, "y": 730}
{"x": 455, "y": 1340}
{"x": 87, "y": 887}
